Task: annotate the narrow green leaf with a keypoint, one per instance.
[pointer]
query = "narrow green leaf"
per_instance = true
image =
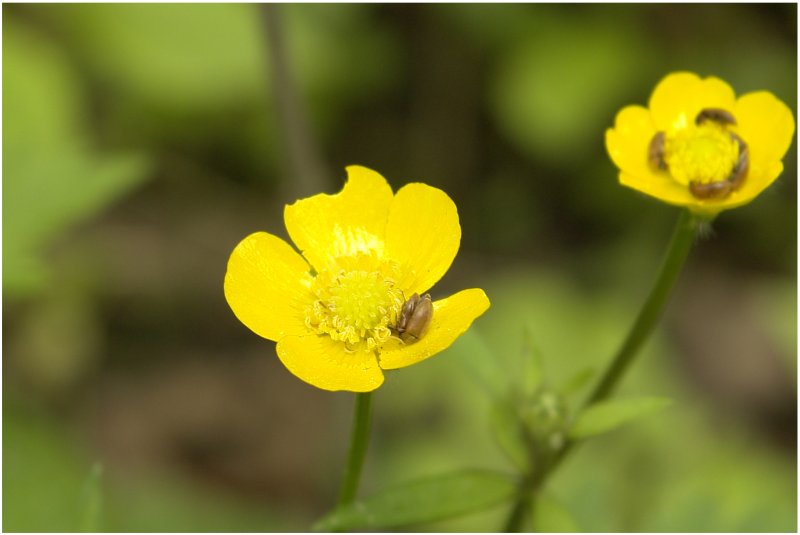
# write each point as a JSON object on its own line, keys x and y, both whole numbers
{"x": 608, "y": 415}
{"x": 93, "y": 499}
{"x": 508, "y": 433}
{"x": 577, "y": 381}
{"x": 424, "y": 500}
{"x": 481, "y": 364}
{"x": 532, "y": 365}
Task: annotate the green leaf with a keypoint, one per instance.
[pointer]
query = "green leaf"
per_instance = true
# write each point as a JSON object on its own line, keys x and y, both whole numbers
{"x": 605, "y": 416}
{"x": 93, "y": 499}
{"x": 151, "y": 51}
{"x": 424, "y": 500}
{"x": 576, "y": 382}
{"x": 480, "y": 363}
{"x": 52, "y": 486}
{"x": 53, "y": 178}
{"x": 532, "y": 365}
{"x": 47, "y": 196}
{"x": 507, "y": 431}
{"x": 550, "y": 516}
{"x": 41, "y": 95}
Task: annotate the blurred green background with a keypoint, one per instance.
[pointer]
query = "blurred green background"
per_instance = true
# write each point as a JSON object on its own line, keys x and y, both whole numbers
{"x": 142, "y": 142}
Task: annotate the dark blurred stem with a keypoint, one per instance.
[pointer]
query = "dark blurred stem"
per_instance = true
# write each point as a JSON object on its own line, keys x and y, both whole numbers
{"x": 358, "y": 448}
{"x": 302, "y": 159}
{"x": 523, "y": 508}
{"x": 678, "y": 250}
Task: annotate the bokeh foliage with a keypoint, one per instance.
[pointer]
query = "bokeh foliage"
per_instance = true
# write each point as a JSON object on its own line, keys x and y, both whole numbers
{"x": 141, "y": 142}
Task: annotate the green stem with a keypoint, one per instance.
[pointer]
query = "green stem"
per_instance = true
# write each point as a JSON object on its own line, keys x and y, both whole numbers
{"x": 677, "y": 252}
{"x": 682, "y": 239}
{"x": 93, "y": 500}
{"x": 521, "y": 509}
{"x": 358, "y": 448}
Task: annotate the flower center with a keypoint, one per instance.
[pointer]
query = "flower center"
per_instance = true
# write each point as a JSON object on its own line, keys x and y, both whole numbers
{"x": 702, "y": 154}
{"x": 707, "y": 157}
{"x": 355, "y": 304}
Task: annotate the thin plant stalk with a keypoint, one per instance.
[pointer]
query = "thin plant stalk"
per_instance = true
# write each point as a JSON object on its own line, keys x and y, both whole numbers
{"x": 303, "y": 158}
{"x": 93, "y": 500}
{"x": 678, "y": 250}
{"x": 359, "y": 440}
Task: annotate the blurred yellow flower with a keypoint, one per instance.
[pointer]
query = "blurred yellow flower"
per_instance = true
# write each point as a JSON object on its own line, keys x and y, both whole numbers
{"x": 699, "y": 146}
{"x": 338, "y": 312}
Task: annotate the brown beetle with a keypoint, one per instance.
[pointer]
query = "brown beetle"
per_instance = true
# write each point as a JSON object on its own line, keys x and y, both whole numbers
{"x": 710, "y": 190}
{"x": 718, "y": 115}
{"x": 736, "y": 177}
{"x": 655, "y": 152}
{"x": 415, "y": 318}
{"x": 722, "y": 188}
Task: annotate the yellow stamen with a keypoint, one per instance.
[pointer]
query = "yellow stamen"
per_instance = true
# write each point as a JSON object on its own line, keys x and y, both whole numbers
{"x": 700, "y": 153}
{"x": 357, "y": 302}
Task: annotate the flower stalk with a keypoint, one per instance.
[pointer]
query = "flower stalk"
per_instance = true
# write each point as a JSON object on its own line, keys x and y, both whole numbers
{"x": 359, "y": 441}
{"x": 677, "y": 251}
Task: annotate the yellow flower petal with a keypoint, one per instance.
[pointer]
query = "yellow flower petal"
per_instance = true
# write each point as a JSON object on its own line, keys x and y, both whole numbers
{"x": 325, "y": 227}
{"x": 627, "y": 143}
{"x": 680, "y": 96}
{"x": 324, "y": 363}
{"x": 758, "y": 179}
{"x": 660, "y": 187}
{"x": 422, "y": 236}
{"x": 451, "y": 318}
{"x": 767, "y": 124}
{"x": 264, "y": 286}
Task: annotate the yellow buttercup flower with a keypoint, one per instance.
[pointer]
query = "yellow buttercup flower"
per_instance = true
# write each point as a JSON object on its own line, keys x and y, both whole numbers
{"x": 699, "y": 146}
{"x": 349, "y": 307}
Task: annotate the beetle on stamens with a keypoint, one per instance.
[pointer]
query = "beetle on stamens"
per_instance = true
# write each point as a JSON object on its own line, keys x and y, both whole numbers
{"x": 736, "y": 177}
{"x": 415, "y": 318}
{"x": 710, "y": 190}
{"x": 723, "y": 188}
{"x": 717, "y": 115}
{"x": 655, "y": 151}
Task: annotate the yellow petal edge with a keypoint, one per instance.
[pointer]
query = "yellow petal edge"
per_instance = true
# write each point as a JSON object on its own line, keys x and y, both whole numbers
{"x": 324, "y": 363}
{"x": 264, "y": 286}
{"x": 422, "y": 235}
{"x": 451, "y": 318}
{"x": 325, "y": 227}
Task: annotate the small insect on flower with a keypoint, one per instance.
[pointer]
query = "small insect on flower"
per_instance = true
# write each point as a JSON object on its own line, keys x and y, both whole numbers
{"x": 415, "y": 318}
{"x": 700, "y": 146}
{"x": 336, "y": 304}
{"x": 716, "y": 115}
{"x": 655, "y": 152}
{"x": 722, "y": 188}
